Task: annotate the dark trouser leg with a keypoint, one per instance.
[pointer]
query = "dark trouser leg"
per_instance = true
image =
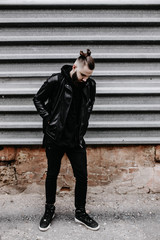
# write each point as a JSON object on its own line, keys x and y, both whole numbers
{"x": 78, "y": 159}
{"x": 54, "y": 156}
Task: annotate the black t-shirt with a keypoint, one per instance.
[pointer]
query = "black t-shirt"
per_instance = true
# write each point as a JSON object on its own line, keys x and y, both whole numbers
{"x": 71, "y": 129}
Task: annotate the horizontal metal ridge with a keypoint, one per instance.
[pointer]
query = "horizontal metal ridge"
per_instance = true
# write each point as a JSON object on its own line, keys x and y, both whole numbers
{"x": 88, "y": 38}
{"x": 124, "y": 90}
{"x": 10, "y": 90}
{"x": 73, "y": 21}
{"x": 20, "y": 141}
{"x": 67, "y": 56}
{"x": 20, "y": 125}
{"x": 127, "y": 107}
{"x": 17, "y": 108}
{"x": 93, "y": 124}
{"x": 73, "y": 2}
{"x": 125, "y": 140}
{"x": 14, "y": 90}
{"x": 124, "y": 124}
{"x": 89, "y": 141}
{"x": 101, "y": 108}
{"x": 10, "y": 74}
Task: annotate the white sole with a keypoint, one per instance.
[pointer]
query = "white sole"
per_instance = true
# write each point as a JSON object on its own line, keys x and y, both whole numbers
{"x": 45, "y": 229}
{"x": 93, "y": 229}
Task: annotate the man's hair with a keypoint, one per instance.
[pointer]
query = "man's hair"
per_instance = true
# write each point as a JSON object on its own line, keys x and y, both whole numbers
{"x": 86, "y": 58}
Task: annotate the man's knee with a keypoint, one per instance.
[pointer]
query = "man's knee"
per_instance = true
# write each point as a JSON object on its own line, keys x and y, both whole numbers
{"x": 52, "y": 176}
{"x": 81, "y": 177}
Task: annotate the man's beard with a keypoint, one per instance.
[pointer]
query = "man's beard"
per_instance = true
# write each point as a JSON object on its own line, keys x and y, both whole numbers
{"x": 75, "y": 78}
{"x": 77, "y": 82}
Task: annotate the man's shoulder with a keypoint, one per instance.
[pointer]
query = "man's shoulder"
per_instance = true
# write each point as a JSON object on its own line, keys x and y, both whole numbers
{"x": 92, "y": 82}
{"x": 54, "y": 78}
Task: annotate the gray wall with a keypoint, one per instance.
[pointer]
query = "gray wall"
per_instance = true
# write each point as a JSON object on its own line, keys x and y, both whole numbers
{"x": 36, "y": 39}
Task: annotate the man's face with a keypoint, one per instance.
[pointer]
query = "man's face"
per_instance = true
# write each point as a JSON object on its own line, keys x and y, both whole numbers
{"x": 81, "y": 73}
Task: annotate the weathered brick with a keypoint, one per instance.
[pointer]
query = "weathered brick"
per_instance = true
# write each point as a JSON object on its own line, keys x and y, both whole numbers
{"x": 127, "y": 177}
{"x": 31, "y": 164}
{"x": 142, "y": 177}
{"x": 154, "y": 180}
{"x": 8, "y": 154}
{"x": 157, "y": 153}
{"x": 107, "y": 165}
{"x": 7, "y": 175}
{"x": 133, "y": 169}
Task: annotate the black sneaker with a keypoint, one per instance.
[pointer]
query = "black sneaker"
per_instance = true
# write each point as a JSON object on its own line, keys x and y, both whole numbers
{"x": 46, "y": 220}
{"x": 82, "y": 217}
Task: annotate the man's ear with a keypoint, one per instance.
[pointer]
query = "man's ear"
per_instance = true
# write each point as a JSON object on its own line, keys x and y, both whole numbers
{"x": 74, "y": 66}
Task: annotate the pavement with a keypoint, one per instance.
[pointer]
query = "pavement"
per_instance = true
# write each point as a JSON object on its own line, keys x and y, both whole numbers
{"x": 121, "y": 217}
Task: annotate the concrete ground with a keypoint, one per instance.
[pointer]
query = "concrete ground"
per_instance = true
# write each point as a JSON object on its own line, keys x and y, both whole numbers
{"x": 121, "y": 217}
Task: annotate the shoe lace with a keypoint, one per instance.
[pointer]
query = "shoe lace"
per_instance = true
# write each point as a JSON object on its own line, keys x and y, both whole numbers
{"x": 48, "y": 214}
{"x": 87, "y": 218}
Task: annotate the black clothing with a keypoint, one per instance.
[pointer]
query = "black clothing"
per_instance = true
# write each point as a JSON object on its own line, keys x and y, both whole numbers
{"x": 65, "y": 107}
{"x": 82, "y": 217}
{"x": 47, "y": 218}
{"x": 77, "y": 157}
{"x": 57, "y": 90}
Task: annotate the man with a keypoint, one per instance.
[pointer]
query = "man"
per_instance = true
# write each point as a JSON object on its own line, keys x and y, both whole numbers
{"x": 65, "y": 102}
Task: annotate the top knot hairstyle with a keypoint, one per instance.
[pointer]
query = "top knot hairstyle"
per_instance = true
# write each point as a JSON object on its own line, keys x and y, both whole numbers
{"x": 87, "y": 59}
{"x": 88, "y": 53}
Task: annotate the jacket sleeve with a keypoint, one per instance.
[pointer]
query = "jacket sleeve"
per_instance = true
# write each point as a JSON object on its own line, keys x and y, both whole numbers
{"x": 42, "y": 96}
{"x": 92, "y": 95}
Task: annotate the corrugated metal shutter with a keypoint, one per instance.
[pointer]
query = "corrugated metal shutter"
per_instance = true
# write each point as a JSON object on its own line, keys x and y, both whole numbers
{"x": 37, "y": 38}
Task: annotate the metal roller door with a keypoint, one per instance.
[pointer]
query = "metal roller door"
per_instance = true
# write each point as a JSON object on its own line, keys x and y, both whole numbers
{"x": 37, "y": 38}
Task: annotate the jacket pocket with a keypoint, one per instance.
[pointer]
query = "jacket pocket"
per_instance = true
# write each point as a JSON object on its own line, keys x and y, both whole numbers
{"x": 51, "y": 131}
{"x": 45, "y": 123}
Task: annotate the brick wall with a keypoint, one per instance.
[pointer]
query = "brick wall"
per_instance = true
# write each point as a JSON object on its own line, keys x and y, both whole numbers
{"x": 122, "y": 169}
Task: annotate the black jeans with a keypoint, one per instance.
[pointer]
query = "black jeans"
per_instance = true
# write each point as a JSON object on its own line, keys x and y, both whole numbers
{"x": 78, "y": 159}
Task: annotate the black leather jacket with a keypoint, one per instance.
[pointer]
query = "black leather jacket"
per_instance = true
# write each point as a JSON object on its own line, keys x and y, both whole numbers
{"x": 53, "y": 101}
